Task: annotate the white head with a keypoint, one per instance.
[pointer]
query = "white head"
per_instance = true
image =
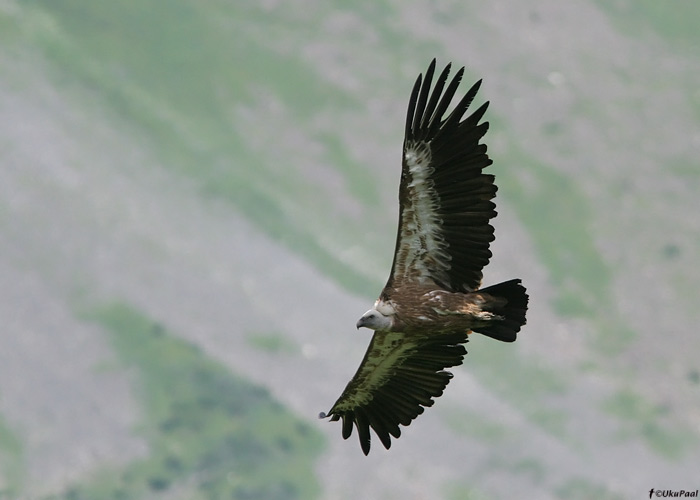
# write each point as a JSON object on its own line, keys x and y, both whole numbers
{"x": 375, "y": 320}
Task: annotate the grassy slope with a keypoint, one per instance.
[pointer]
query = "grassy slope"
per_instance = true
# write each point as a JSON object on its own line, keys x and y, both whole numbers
{"x": 211, "y": 434}
{"x": 676, "y": 25}
{"x": 181, "y": 72}
{"x": 11, "y": 462}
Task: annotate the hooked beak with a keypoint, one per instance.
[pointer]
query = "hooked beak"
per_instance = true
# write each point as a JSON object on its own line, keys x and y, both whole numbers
{"x": 360, "y": 323}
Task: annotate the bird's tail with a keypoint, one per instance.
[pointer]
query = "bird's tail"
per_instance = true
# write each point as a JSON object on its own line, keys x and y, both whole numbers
{"x": 508, "y": 300}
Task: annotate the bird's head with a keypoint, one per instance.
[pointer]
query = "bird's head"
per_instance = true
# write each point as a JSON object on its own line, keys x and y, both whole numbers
{"x": 374, "y": 320}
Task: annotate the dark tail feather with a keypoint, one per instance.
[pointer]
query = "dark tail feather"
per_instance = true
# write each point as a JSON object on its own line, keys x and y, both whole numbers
{"x": 512, "y": 309}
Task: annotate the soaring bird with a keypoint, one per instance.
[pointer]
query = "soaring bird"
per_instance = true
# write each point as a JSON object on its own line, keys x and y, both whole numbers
{"x": 433, "y": 298}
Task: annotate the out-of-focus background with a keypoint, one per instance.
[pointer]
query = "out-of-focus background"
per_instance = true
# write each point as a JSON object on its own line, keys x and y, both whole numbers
{"x": 199, "y": 199}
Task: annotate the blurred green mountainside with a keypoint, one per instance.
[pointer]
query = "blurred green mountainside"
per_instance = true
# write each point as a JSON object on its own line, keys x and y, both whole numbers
{"x": 290, "y": 116}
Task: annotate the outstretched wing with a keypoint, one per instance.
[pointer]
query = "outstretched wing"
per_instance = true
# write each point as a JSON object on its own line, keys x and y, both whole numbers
{"x": 398, "y": 377}
{"x": 444, "y": 196}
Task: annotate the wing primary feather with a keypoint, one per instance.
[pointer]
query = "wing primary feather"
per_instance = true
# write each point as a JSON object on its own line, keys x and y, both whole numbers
{"x": 412, "y": 107}
{"x": 445, "y": 102}
{"x": 348, "y": 419}
{"x": 461, "y": 107}
{"x": 423, "y": 97}
{"x": 362, "y": 424}
{"x": 379, "y": 425}
{"x": 429, "y": 114}
{"x": 477, "y": 115}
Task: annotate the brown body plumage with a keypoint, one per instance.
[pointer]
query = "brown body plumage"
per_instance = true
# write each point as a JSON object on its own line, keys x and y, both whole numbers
{"x": 423, "y": 308}
{"x": 432, "y": 299}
